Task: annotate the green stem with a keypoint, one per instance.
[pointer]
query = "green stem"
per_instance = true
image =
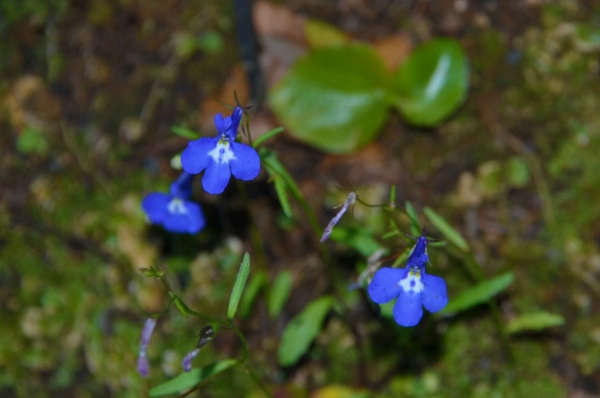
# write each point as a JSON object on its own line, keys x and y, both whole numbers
{"x": 244, "y": 362}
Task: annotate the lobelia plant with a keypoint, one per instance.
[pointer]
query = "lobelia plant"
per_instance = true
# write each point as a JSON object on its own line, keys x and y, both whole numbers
{"x": 412, "y": 287}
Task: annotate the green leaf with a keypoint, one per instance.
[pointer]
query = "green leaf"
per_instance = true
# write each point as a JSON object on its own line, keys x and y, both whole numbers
{"x": 274, "y": 167}
{"x": 32, "y": 141}
{"x": 534, "y": 321}
{"x": 335, "y": 98}
{"x": 447, "y": 230}
{"x": 360, "y": 239}
{"x": 267, "y": 136}
{"x": 302, "y": 330}
{"x": 479, "y": 293}
{"x": 280, "y": 292}
{"x": 185, "y": 133}
{"x": 238, "y": 287}
{"x": 251, "y": 292}
{"x": 180, "y": 305}
{"x": 517, "y": 172}
{"x": 321, "y": 34}
{"x": 432, "y": 82}
{"x": 415, "y": 224}
{"x": 282, "y": 195}
{"x": 191, "y": 379}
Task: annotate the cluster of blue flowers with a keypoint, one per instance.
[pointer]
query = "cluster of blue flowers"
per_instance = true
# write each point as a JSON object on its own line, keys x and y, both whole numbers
{"x": 220, "y": 156}
{"x": 412, "y": 287}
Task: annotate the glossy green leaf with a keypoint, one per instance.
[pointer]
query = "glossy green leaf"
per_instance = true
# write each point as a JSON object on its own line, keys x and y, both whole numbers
{"x": 185, "y": 133}
{"x": 280, "y": 292}
{"x": 334, "y": 98}
{"x": 302, "y": 330}
{"x": 534, "y": 321}
{"x": 432, "y": 82}
{"x": 191, "y": 379}
{"x": 478, "y": 294}
{"x": 251, "y": 293}
{"x": 447, "y": 230}
{"x": 238, "y": 287}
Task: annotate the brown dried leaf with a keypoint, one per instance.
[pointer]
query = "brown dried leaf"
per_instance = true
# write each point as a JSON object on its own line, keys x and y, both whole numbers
{"x": 394, "y": 50}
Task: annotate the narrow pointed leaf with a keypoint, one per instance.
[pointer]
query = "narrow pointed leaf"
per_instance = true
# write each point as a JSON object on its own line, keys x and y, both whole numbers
{"x": 251, "y": 293}
{"x": 534, "y": 321}
{"x": 415, "y": 224}
{"x": 447, "y": 230}
{"x": 185, "y": 133}
{"x": 280, "y": 189}
{"x": 478, "y": 294}
{"x": 191, "y": 379}
{"x": 302, "y": 330}
{"x": 238, "y": 287}
{"x": 280, "y": 292}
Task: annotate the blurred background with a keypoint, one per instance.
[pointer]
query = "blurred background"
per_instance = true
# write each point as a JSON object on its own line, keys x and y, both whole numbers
{"x": 89, "y": 92}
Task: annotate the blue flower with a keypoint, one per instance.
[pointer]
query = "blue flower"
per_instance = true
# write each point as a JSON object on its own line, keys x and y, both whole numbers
{"x": 412, "y": 287}
{"x": 221, "y": 156}
{"x": 174, "y": 211}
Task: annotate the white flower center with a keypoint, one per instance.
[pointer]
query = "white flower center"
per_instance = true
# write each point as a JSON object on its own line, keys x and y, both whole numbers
{"x": 222, "y": 152}
{"x": 412, "y": 283}
{"x": 176, "y": 206}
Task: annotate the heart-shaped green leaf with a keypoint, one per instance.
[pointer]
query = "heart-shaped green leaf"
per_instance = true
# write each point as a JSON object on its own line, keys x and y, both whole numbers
{"x": 432, "y": 82}
{"x": 334, "y": 98}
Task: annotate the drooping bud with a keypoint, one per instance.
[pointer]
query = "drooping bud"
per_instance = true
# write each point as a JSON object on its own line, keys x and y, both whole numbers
{"x": 350, "y": 200}
{"x": 206, "y": 335}
{"x": 143, "y": 366}
{"x": 187, "y": 360}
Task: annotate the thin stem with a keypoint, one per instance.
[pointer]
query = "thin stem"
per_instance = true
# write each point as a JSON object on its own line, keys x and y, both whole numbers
{"x": 255, "y": 236}
{"x": 244, "y": 362}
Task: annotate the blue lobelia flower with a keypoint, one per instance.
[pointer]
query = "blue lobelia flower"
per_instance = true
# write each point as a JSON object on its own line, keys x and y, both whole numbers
{"x": 412, "y": 287}
{"x": 174, "y": 211}
{"x": 221, "y": 156}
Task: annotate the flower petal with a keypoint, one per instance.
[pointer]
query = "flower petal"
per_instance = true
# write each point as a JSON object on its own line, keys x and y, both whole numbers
{"x": 182, "y": 186}
{"x": 221, "y": 123}
{"x": 155, "y": 205}
{"x": 246, "y": 164}
{"x": 408, "y": 309}
{"x": 178, "y": 223}
{"x": 434, "y": 294}
{"x": 196, "y": 220}
{"x": 216, "y": 177}
{"x": 235, "y": 118}
{"x": 384, "y": 286}
{"x": 195, "y": 157}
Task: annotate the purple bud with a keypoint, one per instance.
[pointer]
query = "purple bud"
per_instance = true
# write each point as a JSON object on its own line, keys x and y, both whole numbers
{"x": 142, "y": 362}
{"x": 187, "y": 360}
{"x": 143, "y": 366}
{"x": 147, "y": 332}
{"x": 350, "y": 200}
